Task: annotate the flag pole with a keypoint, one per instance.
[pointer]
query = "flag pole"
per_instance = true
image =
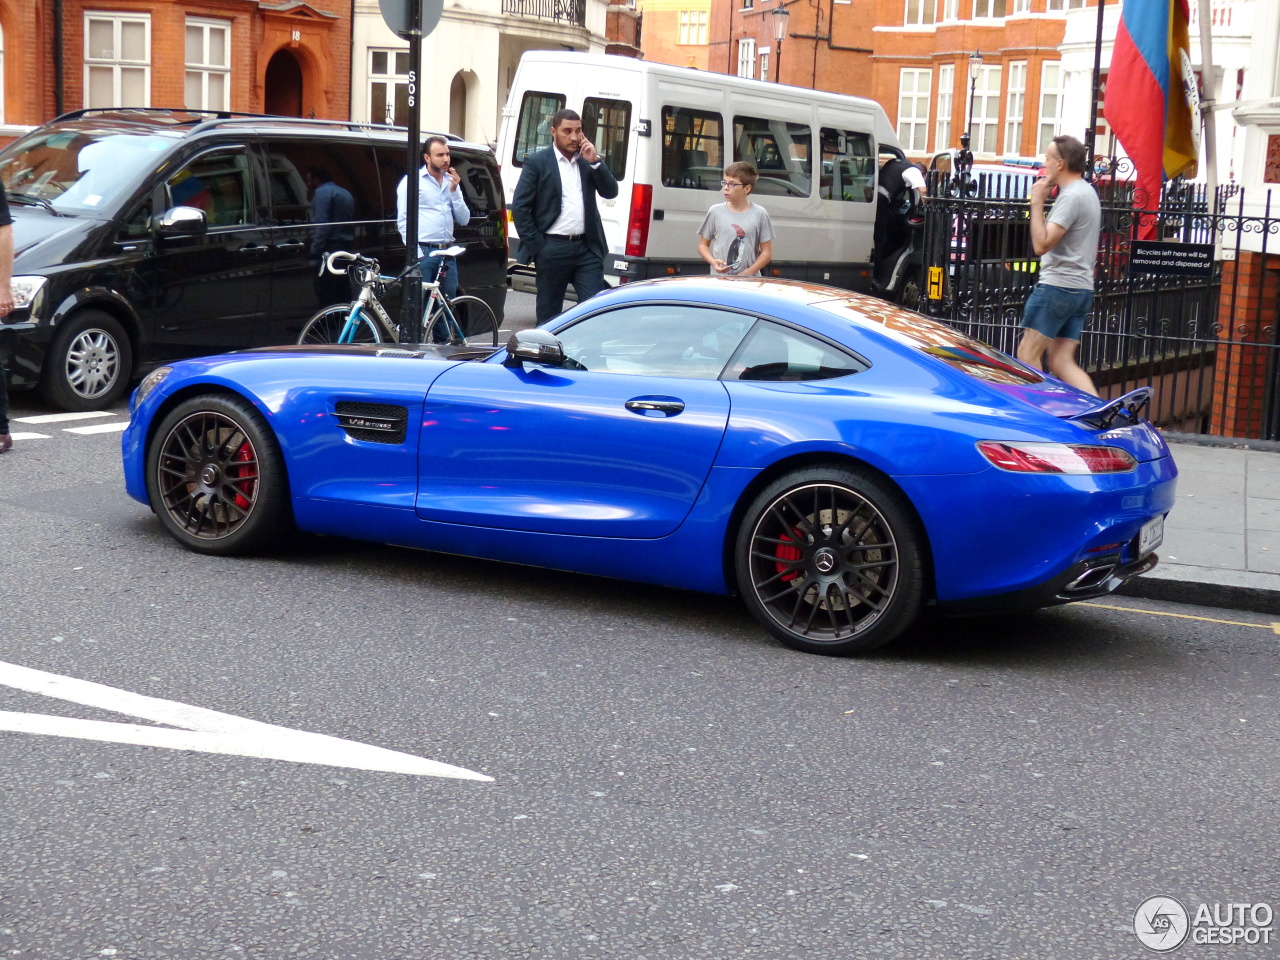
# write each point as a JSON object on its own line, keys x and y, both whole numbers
{"x": 1092, "y": 133}
{"x": 1209, "y": 82}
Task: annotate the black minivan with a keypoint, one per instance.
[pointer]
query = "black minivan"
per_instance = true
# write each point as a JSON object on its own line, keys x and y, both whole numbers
{"x": 109, "y": 282}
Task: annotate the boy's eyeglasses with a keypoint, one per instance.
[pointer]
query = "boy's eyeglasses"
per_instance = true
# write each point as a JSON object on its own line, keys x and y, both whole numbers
{"x": 730, "y": 183}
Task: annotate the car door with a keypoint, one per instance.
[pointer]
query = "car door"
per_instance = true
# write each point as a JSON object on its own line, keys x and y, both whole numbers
{"x": 294, "y": 169}
{"x": 210, "y": 291}
{"x": 617, "y": 442}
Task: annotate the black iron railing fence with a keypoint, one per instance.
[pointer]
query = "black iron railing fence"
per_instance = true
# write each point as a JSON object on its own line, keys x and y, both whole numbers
{"x": 1210, "y": 345}
{"x": 562, "y": 11}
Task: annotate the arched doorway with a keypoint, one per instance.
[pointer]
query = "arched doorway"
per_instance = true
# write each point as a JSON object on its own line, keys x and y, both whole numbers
{"x": 458, "y": 106}
{"x": 283, "y": 85}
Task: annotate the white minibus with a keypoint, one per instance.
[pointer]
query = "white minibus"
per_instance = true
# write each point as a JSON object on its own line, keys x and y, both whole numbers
{"x": 668, "y": 132}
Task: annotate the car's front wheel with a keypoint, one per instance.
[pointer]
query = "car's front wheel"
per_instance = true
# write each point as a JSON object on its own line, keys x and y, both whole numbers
{"x": 216, "y": 477}
{"x": 89, "y": 362}
{"x": 828, "y": 559}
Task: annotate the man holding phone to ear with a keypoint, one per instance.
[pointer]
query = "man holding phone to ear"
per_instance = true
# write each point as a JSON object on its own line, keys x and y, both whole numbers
{"x": 555, "y": 213}
{"x": 440, "y": 206}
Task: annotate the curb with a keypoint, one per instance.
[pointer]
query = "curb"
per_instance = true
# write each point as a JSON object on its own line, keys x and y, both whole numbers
{"x": 1207, "y": 587}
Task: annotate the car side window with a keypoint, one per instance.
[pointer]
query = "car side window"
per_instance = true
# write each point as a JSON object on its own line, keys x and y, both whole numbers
{"x": 656, "y": 340}
{"x": 774, "y": 353}
{"x": 216, "y": 182}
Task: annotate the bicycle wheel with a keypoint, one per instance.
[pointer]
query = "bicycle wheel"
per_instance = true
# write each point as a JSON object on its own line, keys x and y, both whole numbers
{"x": 327, "y": 325}
{"x": 476, "y": 320}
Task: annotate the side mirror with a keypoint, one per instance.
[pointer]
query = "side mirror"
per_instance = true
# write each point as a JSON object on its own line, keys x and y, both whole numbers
{"x": 536, "y": 346}
{"x": 181, "y": 222}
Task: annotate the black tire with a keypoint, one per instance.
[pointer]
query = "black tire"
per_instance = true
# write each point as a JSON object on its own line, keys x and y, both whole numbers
{"x": 216, "y": 477}
{"x": 89, "y": 363}
{"x": 476, "y": 318}
{"x": 911, "y": 290}
{"x": 326, "y": 326}
{"x": 828, "y": 559}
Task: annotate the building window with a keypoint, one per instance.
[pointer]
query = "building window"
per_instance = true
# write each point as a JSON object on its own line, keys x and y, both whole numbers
{"x": 1021, "y": 6}
{"x": 389, "y": 87}
{"x": 918, "y": 12}
{"x": 1059, "y": 6}
{"x": 988, "y": 9}
{"x": 693, "y": 27}
{"x": 950, "y": 10}
{"x": 946, "y": 91}
{"x": 1050, "y": 104}
{"x": 117, "y": 58}
{"x": 764, "y": 64}
{"x": 1015, "y": 107}
{"x": 984, "y": 124}
{"x": 208, "y": 64}
{"x": 913, "y": 109}
{"x": 747, "y": 57}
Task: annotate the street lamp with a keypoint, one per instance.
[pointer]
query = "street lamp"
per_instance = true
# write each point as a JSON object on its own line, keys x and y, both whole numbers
{"x": 964, "y": 159}
{"x": 780, "y": 17}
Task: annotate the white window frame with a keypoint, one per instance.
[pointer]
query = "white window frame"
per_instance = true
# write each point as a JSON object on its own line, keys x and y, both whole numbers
{"x": 1053, "y": 122}
{"x": 1015, "y": 108}
{"x": 986, "y": 9}
{"x": 921, "y": 16}
{"x": 913, "y": 126}
{"x": 946, "y": 100}
{"x": 1021, "y": 6}
{"x": 118, "y": 64}
{"x": 1062, "y": 6}
{"x": 390, "y": 78}
{"x": 747, "y": 57}
{"x": 693, "y": 28}
{"x": 763, "y": 55}
{"x": 984, "y": 122}
{"x": 950, "y": 10}
{"x": 206, "y": 69}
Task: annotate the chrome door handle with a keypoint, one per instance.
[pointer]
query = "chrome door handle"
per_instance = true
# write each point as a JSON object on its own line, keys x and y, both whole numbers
{"x": 290, "y": 245}
{"x": 669, "y": 407}
{"x": 252, "y": 249}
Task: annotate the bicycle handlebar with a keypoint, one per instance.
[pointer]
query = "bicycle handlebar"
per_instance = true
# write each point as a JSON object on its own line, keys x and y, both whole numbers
{"x": 329, "y": 261}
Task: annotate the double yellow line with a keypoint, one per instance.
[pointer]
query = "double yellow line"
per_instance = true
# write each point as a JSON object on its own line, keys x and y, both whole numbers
{"x": 1274, "y": 627}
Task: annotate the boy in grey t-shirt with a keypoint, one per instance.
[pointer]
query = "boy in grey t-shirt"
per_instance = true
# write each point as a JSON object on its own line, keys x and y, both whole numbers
{"x": 737, "y": 235}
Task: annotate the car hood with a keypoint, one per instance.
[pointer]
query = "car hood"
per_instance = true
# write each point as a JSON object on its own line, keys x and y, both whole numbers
{"x": 32, "y": 226}
{"x": 1141, "y": 439}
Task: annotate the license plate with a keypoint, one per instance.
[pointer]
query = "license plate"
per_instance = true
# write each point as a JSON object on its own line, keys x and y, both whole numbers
{"x": 1150, "y": 536}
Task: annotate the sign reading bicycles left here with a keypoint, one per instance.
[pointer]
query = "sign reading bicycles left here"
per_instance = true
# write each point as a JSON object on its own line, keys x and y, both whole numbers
{"x": 412, "y": 20}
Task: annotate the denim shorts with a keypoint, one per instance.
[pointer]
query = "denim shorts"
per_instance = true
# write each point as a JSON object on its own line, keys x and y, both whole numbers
{"x": 1057, "y": 312}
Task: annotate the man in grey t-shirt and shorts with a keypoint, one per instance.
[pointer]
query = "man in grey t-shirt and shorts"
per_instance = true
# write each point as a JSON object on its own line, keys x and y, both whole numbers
{"x": 1067, "y": 244}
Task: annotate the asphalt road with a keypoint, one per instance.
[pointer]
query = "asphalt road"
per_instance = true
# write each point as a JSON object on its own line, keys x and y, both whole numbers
{"x": 667, "y": 781}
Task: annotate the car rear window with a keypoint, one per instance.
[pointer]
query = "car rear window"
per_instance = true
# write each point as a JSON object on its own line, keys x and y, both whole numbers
{"x": 950, "y": 346}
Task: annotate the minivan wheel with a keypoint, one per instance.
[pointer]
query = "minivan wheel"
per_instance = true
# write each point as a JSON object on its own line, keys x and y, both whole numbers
{"x": 89, "y": 363}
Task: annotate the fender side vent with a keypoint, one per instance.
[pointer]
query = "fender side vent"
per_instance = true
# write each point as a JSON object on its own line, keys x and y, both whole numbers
{"x": 372, "y": 422}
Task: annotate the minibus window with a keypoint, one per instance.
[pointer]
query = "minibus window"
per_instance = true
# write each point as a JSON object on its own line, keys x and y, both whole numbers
{"x": 607, "y": 124}
{"x": 692, "y": 149}
{"x": 533, "y": 132}
{"x": 848, "y": 167}
{"x": 781, "y": 151}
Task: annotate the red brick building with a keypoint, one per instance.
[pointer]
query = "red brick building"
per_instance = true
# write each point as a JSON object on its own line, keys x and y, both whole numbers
{"x": 276, "y": 56}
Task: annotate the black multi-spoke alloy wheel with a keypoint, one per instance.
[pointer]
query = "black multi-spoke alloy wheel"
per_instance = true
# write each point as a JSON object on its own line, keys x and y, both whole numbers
{"x": 89, "y": 362}
{"x": 327, "y": 325}
{"x": 829, "y": 560}
{"x": 216, "y": 478}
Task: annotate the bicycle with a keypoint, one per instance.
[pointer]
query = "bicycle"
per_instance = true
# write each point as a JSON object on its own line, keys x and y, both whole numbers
{"x": 460, "y": 321}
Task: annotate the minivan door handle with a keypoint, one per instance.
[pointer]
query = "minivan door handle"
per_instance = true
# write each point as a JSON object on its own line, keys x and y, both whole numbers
{"x": 253, "y": 249}
{"x": 289, "y": 246}
{"x": 667, "y": 406}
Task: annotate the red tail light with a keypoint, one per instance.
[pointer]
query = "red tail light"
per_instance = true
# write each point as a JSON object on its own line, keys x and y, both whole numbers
{"x": 1073, "y": 458}
{"x": 638, "y": 221}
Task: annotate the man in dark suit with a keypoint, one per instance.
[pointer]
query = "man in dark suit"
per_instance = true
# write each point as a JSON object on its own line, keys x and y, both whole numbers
{"x": 554, "y": 209}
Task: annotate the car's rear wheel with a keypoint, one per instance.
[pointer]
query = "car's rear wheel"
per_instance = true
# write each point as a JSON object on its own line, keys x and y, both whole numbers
{"x": 89, "y": 362}
{"x": 216, "y": 477}
{"x": 828, "y": 559}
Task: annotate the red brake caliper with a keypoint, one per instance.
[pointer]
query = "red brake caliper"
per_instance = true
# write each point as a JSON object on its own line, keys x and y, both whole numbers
{"x": 791, "y": 554}
{"x": 243, "y": 455}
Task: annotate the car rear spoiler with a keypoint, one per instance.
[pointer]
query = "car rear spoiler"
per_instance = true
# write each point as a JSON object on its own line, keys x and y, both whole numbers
{"x": 1127, "y": 410}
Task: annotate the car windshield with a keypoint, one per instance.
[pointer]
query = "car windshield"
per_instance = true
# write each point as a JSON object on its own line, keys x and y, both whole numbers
{"x": 78, "y": 171}
{"x": 951, "y": 346}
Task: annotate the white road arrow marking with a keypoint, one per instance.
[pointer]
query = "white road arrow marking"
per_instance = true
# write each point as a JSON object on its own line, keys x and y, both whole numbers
{"x": 205, "y": 731}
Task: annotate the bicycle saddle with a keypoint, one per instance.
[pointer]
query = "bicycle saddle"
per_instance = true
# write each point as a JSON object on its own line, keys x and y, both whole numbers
{"x": 449, "y": 252}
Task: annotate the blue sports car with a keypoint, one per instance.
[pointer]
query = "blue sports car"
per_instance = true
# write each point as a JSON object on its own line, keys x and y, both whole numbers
{"x": 838, "y": 462}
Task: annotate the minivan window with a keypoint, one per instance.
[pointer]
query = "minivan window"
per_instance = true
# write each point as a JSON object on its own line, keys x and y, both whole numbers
{"x": 692, "y": 148}
{"x": 78, "y": 171}
{"x": 607, "y": 124}
{"x": 216, "y": 182}
{"x": 349, "y": 165}
{"x": 782, "y": 152}
{"x": 533, "y": 129}
{"x": 848, "y": 166}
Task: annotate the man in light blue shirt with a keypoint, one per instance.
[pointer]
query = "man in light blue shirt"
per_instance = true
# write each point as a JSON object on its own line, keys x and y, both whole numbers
{"x": 440, "y": 205}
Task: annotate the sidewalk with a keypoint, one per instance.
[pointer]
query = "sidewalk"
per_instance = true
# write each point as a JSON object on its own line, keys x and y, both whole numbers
{"x": 1222, "y": 539}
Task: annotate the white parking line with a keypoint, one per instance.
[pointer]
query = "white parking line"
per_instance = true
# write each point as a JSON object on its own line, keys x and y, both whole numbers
{"x": 31, "y": 436}
{"x": 65, "y": 417}
{"x": 98, "y": 428}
